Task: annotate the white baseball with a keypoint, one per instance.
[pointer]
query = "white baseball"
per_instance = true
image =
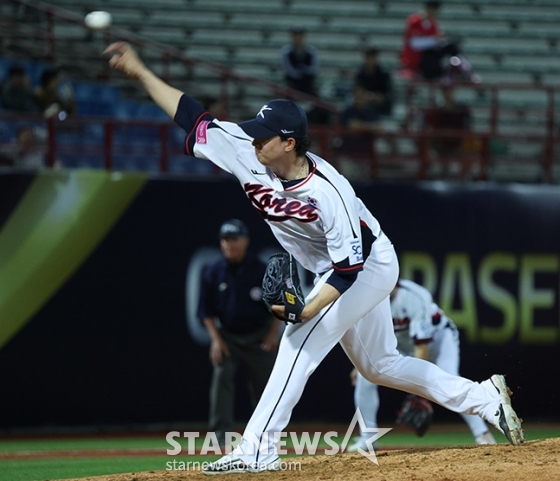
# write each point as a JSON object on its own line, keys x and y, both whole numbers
{"x": 98, "y": 20}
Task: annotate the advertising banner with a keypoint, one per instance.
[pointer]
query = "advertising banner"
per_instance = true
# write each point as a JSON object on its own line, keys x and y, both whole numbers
{"x": 99, "y": 287}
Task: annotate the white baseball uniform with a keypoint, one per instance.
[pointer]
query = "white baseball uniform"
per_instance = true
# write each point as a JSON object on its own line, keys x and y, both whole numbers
{"x": 330, "y": 232}
{"x": 417, "y": 319}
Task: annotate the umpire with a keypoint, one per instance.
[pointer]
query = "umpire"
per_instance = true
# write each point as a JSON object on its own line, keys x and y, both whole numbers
{"x": 241, "y": 329}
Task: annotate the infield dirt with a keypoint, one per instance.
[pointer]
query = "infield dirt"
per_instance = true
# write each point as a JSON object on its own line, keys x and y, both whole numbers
{"x": 535, "y": 460}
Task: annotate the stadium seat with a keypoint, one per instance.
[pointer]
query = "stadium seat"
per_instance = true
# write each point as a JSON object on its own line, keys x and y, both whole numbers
{"x": 151, "y": 111}
{"x": 80, "y": 160}
{"x": 186, "y": 164}
{"x": 5, "y": 64}
{"x": 126, "y": 109}
{"x": 136, "y": 162}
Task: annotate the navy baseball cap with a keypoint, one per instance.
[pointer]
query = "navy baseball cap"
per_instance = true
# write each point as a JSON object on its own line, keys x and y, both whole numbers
{"x": 277, "y": 117}
{"x": 233, "y": 228}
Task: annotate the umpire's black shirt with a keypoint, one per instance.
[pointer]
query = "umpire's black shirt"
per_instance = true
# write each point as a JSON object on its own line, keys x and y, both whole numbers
{"x": 232, "y": 293}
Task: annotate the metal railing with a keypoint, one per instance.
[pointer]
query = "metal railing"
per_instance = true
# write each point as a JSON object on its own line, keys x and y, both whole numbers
{"x": 45, "y": 36}
{"x": 370, "y": 155}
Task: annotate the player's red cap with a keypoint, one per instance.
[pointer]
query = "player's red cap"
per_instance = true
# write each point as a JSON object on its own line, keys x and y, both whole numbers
{"x": 277, "y": 117}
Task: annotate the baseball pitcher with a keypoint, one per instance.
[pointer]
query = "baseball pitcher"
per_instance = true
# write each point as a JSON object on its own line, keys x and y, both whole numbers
{"x": 315, "y": 215}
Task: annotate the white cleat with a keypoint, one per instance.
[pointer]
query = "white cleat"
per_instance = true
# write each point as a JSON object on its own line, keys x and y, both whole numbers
{"x": 359, "y": 443}
{"x": 232, "y": 464}
{"x": 485, "y": 438}
{"x": 505, "y": 419}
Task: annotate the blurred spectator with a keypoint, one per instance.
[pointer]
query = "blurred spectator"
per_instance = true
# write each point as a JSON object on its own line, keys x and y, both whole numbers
{"x": 55, "y": 95}
{"x": 361, "y": 119}
{"x": 361, "y": 115}
{"x": 425, "y": 49}
{"x": 26, "y": 152}
{"x": 300, "y": 63}
{"x": 355, "y": 146}
{"x": 214, "y": 106}
{"x": 451, "y": 115}
{"x": 377, "y": 81}
{"x": 16, "y": 91}
{"x": 25, "y": 13}
{"x": 318, "y": 116}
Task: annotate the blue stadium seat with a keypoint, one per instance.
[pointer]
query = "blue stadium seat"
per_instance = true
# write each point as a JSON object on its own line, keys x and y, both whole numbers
{"x": 143, "y": 163}
{"x": 136, "y": 135}
{"x": 126, "y": 109}
{"x": 35, "y": 72}
{"x": 5, "y": 64}
{"x": 177, "y": 137}
{"x": 94, "y": 133}
{"x": 151, "y": 111}
{"x": 87, "y": 91}
{"x": 69, "y": 137}
{"x": 109, "y": 93}
{"x": 7, "y": 131}
{"x": 84, "y": 91}
{"x": 95, "y": 107}
{"x": 186, "y": 164}
{"x": 95, "y": 98}
{"x": 80, "y": 160}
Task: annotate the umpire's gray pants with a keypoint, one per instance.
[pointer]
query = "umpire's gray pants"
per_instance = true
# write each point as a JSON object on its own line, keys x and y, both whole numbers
{"x": 244, "y": 350}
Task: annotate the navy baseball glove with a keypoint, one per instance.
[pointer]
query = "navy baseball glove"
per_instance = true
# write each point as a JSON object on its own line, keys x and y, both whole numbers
{"x": 416, "y": 413}
{"x": 281, "y": 286}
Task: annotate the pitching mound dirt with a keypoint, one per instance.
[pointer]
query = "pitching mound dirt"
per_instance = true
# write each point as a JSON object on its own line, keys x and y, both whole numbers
{"x": 536, "y": 460}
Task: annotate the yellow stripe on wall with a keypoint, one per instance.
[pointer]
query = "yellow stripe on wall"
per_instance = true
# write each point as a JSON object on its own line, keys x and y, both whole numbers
{"x": 58, "y": 223}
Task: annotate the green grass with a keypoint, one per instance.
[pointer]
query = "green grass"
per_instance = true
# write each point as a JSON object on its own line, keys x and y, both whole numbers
{"x": 42, "y": 469}
{"x": 53, "y": 469}
{"x": 85, "y": 443}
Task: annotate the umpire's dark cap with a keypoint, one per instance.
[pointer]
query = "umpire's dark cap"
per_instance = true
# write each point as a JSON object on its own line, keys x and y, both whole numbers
{"x": 233, "y": 228}
{"x": 277, "y": 117}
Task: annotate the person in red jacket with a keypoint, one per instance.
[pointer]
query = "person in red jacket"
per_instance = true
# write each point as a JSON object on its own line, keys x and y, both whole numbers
{"x": 425, "y": 48}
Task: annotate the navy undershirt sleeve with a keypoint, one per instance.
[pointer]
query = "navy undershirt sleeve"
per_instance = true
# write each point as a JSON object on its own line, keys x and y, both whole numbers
{"x": 189, "y": 113}
{"x": 341, "y": 282}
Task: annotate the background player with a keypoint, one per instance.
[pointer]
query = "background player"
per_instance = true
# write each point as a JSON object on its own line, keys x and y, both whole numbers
{"x": 315, "y": 215}
{"x": 425, "y": 332}
{"x": 246, "y": 335}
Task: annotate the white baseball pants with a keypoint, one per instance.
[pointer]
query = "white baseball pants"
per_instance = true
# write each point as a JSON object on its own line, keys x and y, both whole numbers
{"x": 444, "y": 352}
{"x": 360, "y": 319}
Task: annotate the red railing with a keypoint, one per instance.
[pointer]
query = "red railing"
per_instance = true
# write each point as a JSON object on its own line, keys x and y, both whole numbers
{"x": 495, "y": 107}
{"x": 346, "y": 149}
{"x": 541, "y": 114}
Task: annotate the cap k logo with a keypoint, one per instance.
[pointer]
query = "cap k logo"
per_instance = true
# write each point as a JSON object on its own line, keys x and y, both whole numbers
{"x": 261, "y": 111}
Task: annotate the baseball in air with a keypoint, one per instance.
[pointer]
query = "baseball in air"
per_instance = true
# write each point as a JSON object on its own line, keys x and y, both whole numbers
{"x": 97, "y": 20}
